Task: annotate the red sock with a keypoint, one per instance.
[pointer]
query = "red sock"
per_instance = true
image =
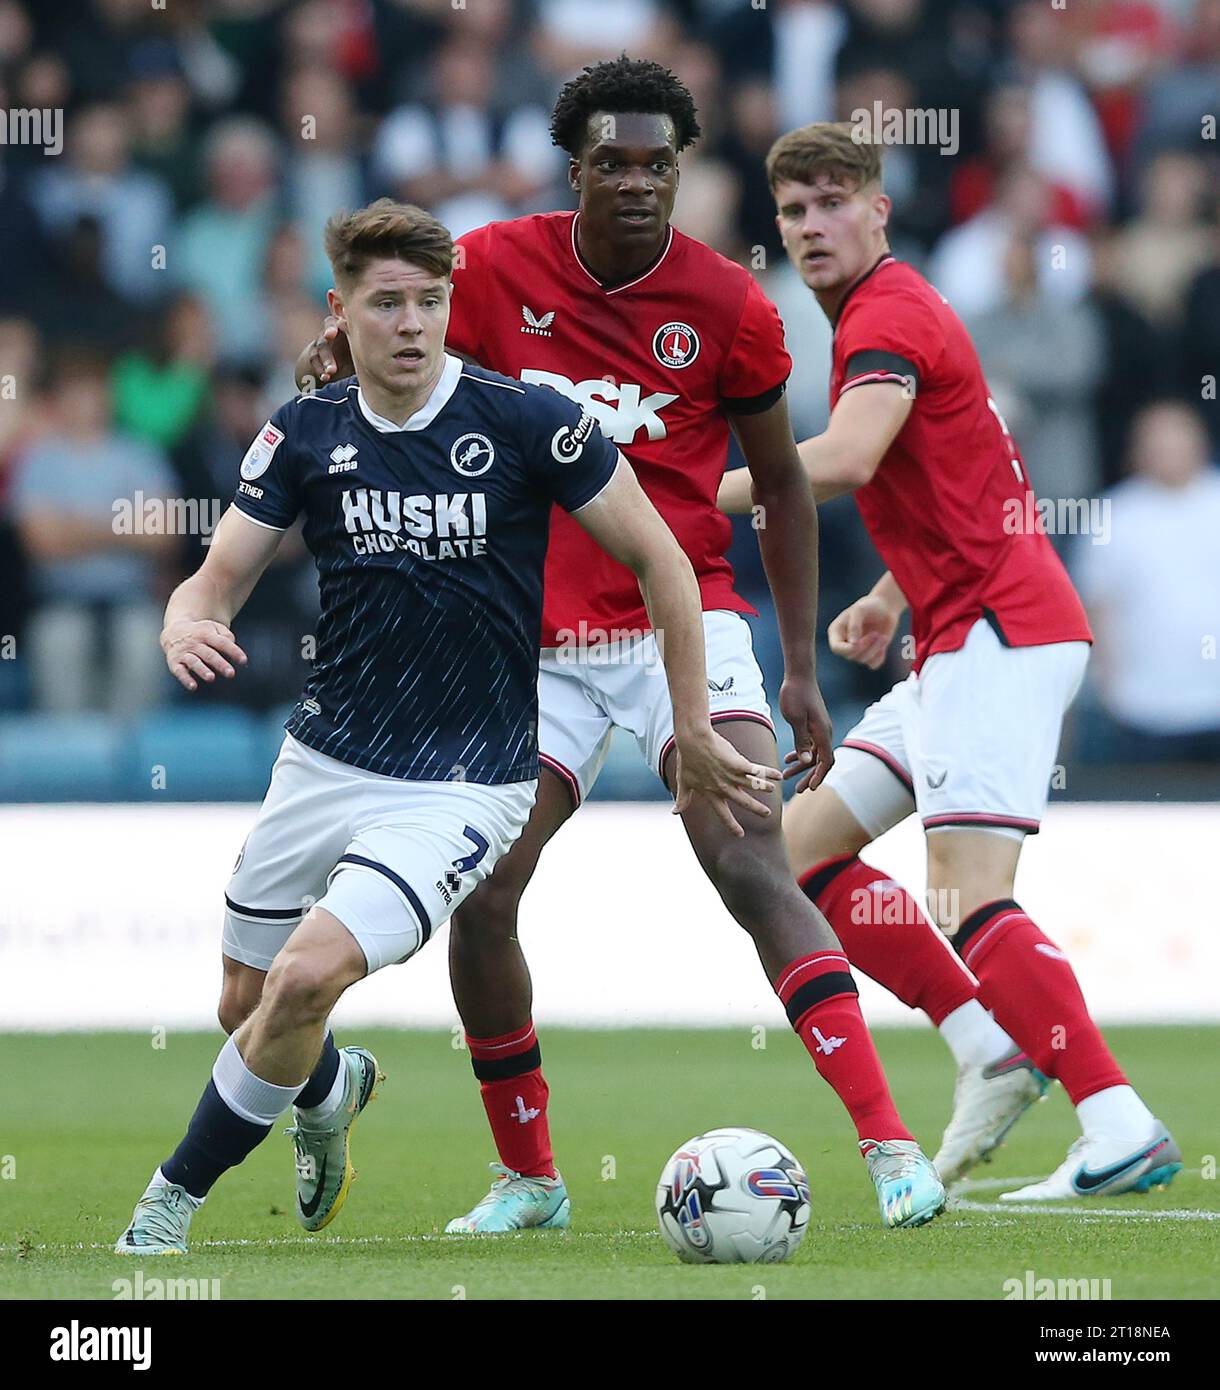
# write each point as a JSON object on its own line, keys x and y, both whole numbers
{"x": 509, "y": 1069}
{"x": 820, "y": 996}
{"x": 1027, "y": 982}
{"x": 884, "y": 933}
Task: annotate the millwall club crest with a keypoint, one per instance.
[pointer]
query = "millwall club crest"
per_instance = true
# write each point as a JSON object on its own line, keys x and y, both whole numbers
{"x": 675, "y": 345}
{"x": 472, "y": 455}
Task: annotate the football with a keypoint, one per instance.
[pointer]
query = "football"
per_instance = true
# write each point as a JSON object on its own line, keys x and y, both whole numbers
{"x": 733, "y": 1196}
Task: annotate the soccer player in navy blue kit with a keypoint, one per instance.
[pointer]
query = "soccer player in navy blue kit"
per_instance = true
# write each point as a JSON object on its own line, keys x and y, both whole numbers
{"x": 410, "y": 763}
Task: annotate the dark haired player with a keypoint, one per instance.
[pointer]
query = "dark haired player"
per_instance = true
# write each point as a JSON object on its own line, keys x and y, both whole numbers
{"x": 410, "y": 764}
{"x": 669, "y": 346}
{"x": 969, "y": 738}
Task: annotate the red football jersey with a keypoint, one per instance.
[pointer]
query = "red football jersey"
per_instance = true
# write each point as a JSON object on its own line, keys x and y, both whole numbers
{"x": 657, "y": 361}
{"x": 950, "y": 504}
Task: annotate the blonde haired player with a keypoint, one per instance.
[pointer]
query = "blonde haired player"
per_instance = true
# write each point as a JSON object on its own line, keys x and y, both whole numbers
{"x": 969, "y": 738}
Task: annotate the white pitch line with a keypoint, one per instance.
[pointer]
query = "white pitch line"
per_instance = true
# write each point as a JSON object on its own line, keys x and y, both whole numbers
{"x": 962, "y": 1203}
{"x": 1086, "y": 1213}
{"x": 454, "y": 1240}
{"x": 991, "y": 1184}
{"x": 278, "y": 1242}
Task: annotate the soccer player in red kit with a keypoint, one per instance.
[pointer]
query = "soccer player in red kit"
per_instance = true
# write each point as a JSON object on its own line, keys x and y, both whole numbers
{"x": 668, "y": 346}
{"x": 969, "y": 739}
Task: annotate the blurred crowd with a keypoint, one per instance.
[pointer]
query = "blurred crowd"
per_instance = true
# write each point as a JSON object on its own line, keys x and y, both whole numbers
{"x": 159, "y": 277}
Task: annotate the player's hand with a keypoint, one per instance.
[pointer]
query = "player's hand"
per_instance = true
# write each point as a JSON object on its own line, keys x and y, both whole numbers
{"x": 710, "y": 766}
{"x": 801, "y": 704}
{"x": 199, "y": 651}
{"x": 329, "y": 358}
{"x": 864, "y": 631}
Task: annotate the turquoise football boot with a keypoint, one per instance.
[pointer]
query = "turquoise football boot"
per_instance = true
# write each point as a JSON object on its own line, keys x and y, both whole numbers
{"x": 516, "y": 1203}
{"x": 323, "y": 1151}
{"x": 160, "y": 1222}
{"x": 908, "y": 1189}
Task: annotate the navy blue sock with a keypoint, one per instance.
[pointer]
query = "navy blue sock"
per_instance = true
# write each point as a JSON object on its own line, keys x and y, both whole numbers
{"x": 216, "y": 1140}
{"x": 322, "y": 1078}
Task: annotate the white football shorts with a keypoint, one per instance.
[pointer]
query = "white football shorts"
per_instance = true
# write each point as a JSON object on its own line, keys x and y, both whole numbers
{"x": 391, "y": 859}
{"x": 970, "y": 741}
{"x": 583, "y": 692}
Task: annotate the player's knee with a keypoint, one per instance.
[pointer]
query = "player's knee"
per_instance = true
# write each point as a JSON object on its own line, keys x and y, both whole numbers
{"x": 239, "y": 998}
{"x": 944, "y": 907}
{"x": 233, "y": 1010}
{"x": 302, "y": 986}
{"x": 747, "y": 883}
{"x": 817, "y": 827}
{"x": 488, "y": 915}
{"x": 959, "y": 886}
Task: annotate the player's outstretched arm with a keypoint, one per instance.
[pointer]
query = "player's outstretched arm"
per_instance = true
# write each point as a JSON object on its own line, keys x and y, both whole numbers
{"x": 787, "y": 526}
{"x": 627, "y": 526}
{"x": 844, "y": 457}
{"x": 196, "y": 638}
{"x": 863, "y": 425}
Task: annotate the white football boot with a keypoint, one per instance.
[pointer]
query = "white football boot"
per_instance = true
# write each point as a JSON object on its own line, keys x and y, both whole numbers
{"x": 987, "y": 1102}
{"x": 1104, "y": 1168}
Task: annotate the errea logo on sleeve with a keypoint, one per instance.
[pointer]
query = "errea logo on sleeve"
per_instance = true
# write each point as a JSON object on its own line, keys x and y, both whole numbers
{"x": 261, "y": 452}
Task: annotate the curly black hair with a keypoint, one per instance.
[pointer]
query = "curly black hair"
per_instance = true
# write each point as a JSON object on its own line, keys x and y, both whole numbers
{"x": 620, "y": 85}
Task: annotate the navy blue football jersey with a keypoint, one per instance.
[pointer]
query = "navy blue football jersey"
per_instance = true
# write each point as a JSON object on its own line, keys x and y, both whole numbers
{"x": 430, "y": 540}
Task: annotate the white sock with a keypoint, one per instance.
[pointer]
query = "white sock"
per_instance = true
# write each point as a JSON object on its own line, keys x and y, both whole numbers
{"x": 261, "y": 1102}
{"x": 973, "y": 1036}
{"x": 1116, "y": 1113}
{"x": 334, "y": 1097}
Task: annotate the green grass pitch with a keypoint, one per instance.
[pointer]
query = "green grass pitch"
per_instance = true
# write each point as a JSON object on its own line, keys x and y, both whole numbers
{"x": 84, "y": 1118}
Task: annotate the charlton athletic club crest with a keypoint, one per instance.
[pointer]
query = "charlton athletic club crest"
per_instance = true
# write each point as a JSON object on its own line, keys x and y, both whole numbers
{"x": 675, "y": 345}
